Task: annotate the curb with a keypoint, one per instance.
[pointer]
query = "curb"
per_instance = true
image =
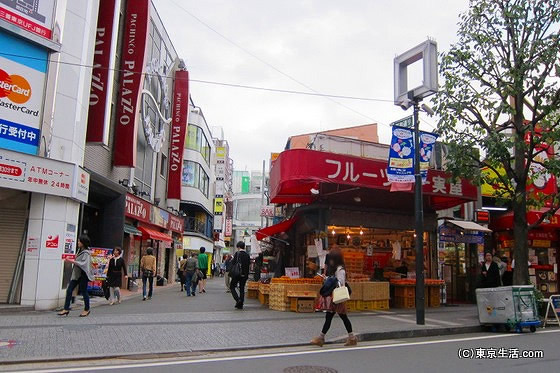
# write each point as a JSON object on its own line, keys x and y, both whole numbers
{"x": 362, "y": 337}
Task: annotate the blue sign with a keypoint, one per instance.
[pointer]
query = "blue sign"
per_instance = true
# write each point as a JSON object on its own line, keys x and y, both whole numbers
{"x": 401, "y": 156}
{"x": 449, "y": 234}
{"x": 427, "y": 141}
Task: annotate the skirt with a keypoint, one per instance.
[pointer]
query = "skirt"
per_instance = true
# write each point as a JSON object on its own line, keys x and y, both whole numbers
{"x": 327, "y": 304}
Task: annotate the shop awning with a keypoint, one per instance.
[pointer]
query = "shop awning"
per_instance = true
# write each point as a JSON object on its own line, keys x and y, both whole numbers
{"x": 469, "y": 225}
{"x": 505, "y": 221}
{"x": 131, "y": 229}
{"x": 297, "y": 174}
{"x": 155, "y": 235}
{"x": 275, "y": 229}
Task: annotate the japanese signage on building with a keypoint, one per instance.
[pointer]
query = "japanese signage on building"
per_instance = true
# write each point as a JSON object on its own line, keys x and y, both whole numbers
{"x": 35, "y": 16}
{"x": 401, "y": 156}
{"x": 132, "y": 66}
{"x": 229, "y": 227}
{"x": 220, "y": 153}
{"x": 176, "y": 223}
{"x": 43, "y": 175}
{"x": 138, "y": 209}
{"x": 102, "y": 72}
{"x": 267, "y": 211}
{"x": 218, "y": 206}
{"x": 22, "y": 87}
{"x": 449, "y": 234}
{"x": 178, "y": 133}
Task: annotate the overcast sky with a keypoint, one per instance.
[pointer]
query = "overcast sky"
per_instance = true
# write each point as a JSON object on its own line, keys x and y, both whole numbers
{"x": 335, "y": 47}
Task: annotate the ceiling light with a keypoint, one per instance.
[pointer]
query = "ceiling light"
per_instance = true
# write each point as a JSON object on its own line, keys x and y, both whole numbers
{"x": 348, "y": 236}
{"x": 358, "y": 199}
{"x": 333, "y": 232}
{"x": 361, "y": 232}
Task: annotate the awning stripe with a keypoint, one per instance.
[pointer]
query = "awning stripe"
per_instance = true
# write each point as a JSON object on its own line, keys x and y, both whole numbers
{"x": 155, "y": 235}
{"x": 131, "y": 229}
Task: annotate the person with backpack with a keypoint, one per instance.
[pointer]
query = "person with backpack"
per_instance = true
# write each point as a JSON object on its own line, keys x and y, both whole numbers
{"x": 191, "y": 266}
{"x": 239, "y": 274}
{"x": 338, "y": 278}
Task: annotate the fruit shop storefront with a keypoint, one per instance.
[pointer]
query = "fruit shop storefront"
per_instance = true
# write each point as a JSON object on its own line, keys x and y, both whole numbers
{"x": 346, "y": 201}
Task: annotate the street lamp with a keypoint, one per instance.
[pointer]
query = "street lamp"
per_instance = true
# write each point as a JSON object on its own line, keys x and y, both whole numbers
{"x": 406, "y": 97}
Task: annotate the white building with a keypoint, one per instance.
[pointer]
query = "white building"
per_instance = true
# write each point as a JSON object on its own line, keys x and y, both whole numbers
{"x": 43, "y": 120}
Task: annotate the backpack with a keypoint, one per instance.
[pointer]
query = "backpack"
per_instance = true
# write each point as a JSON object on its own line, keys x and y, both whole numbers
{"x": 236, "y": 267}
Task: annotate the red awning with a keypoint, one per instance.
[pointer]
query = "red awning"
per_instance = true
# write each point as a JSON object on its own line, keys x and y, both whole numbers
{"x": 148, "y": 233}
{"x": 297, "y": 171}
{"x": 505, "y": 221}
{"x": 275, "y": 229}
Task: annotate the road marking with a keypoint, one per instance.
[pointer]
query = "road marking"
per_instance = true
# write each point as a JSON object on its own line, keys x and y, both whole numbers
{"x": 280, "y": 354}
{"x": 402, "y": 320}
{"x": 443, "y": 322}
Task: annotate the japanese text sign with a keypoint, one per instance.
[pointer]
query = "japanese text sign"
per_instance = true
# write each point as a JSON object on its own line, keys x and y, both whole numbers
{"x": 401, "y": 156}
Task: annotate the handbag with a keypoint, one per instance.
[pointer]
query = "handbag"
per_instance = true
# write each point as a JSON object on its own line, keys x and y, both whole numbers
{"x": 236, "y": 268}
{"x": 341, "y": 294}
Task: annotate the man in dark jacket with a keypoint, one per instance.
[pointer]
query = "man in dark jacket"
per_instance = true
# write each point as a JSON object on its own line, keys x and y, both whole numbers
{"x": 490, "y": 273}
{"x": 240, "y": 278}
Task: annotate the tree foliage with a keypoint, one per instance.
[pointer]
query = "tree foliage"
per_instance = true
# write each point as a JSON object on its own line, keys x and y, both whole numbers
{"x": 499, "y": 104}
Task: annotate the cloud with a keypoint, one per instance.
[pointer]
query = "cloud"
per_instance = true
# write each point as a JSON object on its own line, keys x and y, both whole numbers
{"x": 343, "y": 48}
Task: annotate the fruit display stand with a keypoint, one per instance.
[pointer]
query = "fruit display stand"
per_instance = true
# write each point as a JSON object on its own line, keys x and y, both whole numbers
{"x": 302, "y": 301}
{"x": 264, "y": 292}
{"x": 405, "y": 293}
{"x": 279, "y": 288}
{"x": 368, "y": 296}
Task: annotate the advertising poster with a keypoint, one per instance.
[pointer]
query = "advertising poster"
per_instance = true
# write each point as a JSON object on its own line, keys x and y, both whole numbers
{"x": 99, "y": 261}
{"x": 401, "y": 156}
{"x": 427, "y": 141}
{"x": 69, "y": 250}
{"x": 22, "y": 86}
{"x": 35, "y": 16}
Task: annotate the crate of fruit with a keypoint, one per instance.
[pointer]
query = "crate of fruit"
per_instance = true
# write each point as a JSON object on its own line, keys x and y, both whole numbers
{"x": 375, "y": 290}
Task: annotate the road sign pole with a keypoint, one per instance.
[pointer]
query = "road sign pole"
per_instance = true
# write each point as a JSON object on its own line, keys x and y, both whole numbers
{"x": 419, "y": 217}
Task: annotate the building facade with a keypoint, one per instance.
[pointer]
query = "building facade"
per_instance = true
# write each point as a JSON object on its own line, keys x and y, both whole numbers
{"x": 44, "y": 91}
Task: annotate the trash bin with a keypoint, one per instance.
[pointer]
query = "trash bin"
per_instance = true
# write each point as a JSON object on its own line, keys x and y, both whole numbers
{"x": 514, "y": 307}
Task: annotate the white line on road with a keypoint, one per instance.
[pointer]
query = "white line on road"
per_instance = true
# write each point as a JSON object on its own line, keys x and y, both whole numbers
{"x": 273, "y": 355}
{"x": 402, "y": 320}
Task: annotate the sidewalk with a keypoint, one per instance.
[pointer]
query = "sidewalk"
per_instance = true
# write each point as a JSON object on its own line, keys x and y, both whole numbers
{"x": 172, "y": 323}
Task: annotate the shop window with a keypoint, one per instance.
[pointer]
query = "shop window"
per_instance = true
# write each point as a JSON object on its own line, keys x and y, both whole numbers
{"x": 196, "y": 140}
{"x": 163, "y": 166}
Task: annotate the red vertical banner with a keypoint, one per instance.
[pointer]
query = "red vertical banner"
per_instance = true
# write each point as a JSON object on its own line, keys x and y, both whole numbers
{"x": 130, "y": 84}
{"x": 541, "y": 182}
{"x": 178, "y": 133}
{"x": 98, "y": 95}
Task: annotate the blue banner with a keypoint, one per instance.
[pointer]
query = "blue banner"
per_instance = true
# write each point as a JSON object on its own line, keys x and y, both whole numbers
{"x": 427, "y": 141}
{"x": 401, "y": 156}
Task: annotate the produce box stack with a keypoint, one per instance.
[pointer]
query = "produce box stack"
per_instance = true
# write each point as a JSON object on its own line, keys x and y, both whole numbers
{"x": 252, "y": 290}
{"x": 375, "y": 296}
{"x": 353, "y": 261}
{"x": 279, "y": 288}
{"x": 405, "y": 292}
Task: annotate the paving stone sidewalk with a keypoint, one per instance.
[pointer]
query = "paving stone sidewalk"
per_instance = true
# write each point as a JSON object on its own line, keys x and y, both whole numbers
{"x": 172, "y": 322}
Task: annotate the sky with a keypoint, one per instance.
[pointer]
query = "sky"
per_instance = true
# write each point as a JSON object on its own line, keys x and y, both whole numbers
{"x": 333, "y": 47}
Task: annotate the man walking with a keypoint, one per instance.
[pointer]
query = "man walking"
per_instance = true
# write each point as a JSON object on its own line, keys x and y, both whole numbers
{"x": 191, "y": 266}
{"x": 239, "y": 274}
{"x": 203, "y": 266}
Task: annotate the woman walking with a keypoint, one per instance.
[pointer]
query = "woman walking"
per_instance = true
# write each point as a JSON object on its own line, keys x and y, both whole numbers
{"x": 148, "y": 268}
{"x": 114, "y": 276}
{"x": 82, "y": 273}
{"x": 336, "y": 267}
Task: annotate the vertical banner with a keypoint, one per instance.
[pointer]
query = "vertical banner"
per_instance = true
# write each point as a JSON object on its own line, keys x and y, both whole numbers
{"x": 102, "y": 73}
{"x": 401, "y": 156}
{"x": 541, "y": 181}
{"x": 427, "y": 141}
{"x": 130, "y": 84}
{"x": 178, "y": 133}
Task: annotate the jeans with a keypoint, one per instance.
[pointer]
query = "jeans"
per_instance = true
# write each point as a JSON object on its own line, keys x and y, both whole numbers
{"x": 233, "y": 287}
{"x": 145, "y": 279}
{"x": 189, "y": 284}
{"x": 82, "y": 282}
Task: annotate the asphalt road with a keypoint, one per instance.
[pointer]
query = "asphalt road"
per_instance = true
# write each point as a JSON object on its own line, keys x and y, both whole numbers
{"x": 436, "y": 354}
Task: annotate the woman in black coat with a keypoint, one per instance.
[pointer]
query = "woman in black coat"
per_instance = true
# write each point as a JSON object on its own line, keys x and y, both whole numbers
{"x": 114, "y": 275}
{"x": 490, "y": 273}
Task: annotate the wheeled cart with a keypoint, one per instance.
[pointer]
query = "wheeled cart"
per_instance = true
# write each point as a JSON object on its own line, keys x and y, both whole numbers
{"x": 513, "y": 307}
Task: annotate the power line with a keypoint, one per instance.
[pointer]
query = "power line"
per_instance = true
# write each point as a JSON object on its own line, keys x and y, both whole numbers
{"x": 234, "y": 85}
{"x": 263, "y": 61}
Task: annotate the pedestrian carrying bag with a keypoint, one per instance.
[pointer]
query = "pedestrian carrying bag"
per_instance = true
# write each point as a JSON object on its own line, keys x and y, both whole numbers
{"x": 340, "y": 294}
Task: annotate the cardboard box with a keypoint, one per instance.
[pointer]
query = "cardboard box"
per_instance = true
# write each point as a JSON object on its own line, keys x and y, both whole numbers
{"x": 357, "y": 290}
{"x": 306, "y": 305}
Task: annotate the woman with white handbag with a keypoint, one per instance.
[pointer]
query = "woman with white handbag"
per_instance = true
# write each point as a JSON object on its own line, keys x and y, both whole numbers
{"x": 334, "y": 295}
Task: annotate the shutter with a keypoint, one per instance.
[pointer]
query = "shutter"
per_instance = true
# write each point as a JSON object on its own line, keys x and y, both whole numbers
{"x": 12, "y": 226}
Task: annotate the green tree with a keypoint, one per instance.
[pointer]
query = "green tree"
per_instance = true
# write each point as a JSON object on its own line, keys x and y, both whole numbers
{"x": 498, "y": 105}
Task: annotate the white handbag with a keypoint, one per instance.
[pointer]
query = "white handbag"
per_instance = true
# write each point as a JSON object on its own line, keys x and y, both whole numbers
{"x": 340, "y": 294}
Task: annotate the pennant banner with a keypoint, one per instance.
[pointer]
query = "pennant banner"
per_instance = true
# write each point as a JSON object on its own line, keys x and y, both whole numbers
{"x": 427, "y": 141}
{"x": 401, "y": 156}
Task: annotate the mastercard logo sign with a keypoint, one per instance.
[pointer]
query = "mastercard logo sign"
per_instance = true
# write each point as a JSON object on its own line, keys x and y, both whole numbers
{"x": 14, "y": 87}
